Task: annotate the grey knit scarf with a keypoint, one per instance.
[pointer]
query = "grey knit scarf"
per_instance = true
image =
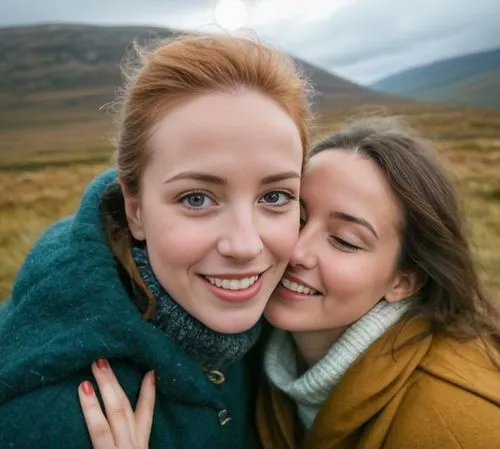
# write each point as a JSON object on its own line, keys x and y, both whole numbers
{"x": 211, "y": 349}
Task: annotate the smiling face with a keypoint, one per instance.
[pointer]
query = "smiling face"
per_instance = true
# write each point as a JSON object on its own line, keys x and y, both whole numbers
{"x": 218, "y": 206}
{"x": 345, "y": 260}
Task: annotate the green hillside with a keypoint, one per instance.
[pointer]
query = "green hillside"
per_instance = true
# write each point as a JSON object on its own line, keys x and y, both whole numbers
{"x": 472, "y": 79}
{"x": 78, "y": 65}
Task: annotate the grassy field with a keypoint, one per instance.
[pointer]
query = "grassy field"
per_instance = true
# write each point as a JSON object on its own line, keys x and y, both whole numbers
{"x": 47, "y": 158}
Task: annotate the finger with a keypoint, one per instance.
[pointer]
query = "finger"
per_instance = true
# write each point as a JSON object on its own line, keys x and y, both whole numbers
{"x": 145, "y": 409}
{"x": 97, "y": 424}
{"x": 104, "y": 364}
{"x": 116, "y": 408}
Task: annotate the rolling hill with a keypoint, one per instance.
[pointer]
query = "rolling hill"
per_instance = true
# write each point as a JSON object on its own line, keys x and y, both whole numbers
{"x": 78, "y": 66}
{"x": 472, "y": 79}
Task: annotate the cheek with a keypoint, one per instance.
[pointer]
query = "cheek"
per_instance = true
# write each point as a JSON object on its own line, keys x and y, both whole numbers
{"x": 280, "y": 236}
{"x": 173, "y": 242}
{"x": 342, "y": 278}
{"x": 356, "y": 275}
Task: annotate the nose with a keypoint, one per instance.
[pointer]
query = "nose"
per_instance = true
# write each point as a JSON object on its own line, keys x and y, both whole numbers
{"x": 240, "y": 239}
{"x": 303, "y": 254}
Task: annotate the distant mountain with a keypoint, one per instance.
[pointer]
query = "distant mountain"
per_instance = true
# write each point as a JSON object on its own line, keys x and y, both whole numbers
{"x": 78, "y": 65}
{"x": 472, "y": 79}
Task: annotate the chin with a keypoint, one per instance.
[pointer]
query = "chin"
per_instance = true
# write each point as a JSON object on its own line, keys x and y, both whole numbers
{"x": 232, "y": 324}
{"x": 284, "y": 319}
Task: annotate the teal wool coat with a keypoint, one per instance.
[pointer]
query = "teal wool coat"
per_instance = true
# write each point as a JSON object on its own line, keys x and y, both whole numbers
{"x": 68, "y": 308}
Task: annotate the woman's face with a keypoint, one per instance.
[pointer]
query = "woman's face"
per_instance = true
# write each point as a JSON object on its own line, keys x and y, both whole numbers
{"x": 218, "y": 207}
{"x": 345, "y": 258}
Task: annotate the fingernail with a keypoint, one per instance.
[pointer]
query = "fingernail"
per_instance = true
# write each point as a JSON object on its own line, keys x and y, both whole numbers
{"x": 153, "y": 377}
{"x": 102, "y": 364}
{"x": 87, "y": 388}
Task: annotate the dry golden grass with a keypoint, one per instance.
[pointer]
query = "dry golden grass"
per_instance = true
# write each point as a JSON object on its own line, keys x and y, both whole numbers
{"x": 30, "y": 201}
{"x": 45, "y": 167}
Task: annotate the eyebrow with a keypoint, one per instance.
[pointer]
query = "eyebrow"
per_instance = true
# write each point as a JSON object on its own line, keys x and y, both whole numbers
{"x": 213, "y": 179}
{"x": 197, "y": 176}
{"x": 281, "y": 177}
{"x": 354, "y": 219}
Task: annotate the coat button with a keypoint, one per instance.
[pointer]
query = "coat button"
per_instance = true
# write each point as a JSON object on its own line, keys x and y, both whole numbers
{"x": 224, "y": 417}
{"x": 216, "y": 376}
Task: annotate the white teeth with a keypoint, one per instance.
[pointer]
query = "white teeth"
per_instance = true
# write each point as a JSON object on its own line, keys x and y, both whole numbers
{"x": 232, "y": 284}
{"x": 298, "y": 288}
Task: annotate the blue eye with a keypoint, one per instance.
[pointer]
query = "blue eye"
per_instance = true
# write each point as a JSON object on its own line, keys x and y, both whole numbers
{"x": 197, "y": 200}
{"x": 276, "y": 198}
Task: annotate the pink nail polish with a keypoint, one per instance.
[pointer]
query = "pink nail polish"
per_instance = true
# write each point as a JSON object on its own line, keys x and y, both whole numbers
{"x": 87, "y": 388}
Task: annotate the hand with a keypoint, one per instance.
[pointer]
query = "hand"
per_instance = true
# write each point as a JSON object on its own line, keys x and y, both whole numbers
{"x": 121, "y": 428}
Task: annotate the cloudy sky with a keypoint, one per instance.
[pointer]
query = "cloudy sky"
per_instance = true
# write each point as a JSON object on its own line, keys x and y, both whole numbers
{"x": 362, "y": 40}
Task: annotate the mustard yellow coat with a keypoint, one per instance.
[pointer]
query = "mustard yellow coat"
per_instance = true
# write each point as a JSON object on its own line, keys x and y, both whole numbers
{"x": 437, "y": 393}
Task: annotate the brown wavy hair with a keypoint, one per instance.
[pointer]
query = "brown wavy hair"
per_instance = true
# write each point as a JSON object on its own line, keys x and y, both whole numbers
{"x": 159, "y": 77}
{"x": 452, "y": 298}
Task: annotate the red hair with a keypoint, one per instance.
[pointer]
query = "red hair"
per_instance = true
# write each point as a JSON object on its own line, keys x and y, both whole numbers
{"x": 177, "y": 70}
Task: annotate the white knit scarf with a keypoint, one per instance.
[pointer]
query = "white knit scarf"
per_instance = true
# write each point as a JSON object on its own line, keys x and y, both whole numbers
{"x": 311, "y": 389}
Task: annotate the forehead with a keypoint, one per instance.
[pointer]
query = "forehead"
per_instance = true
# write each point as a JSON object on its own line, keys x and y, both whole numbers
{"x": 224, "y": 128}
{"x": 337, "y": 180}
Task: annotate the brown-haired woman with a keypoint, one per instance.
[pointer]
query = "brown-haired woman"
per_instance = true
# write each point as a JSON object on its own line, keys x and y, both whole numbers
{"x": 387, "y": 337}
{"x": 169, "y": 261}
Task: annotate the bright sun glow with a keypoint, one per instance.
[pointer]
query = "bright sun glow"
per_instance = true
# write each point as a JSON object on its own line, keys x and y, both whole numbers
{"x": 230, "y": 14}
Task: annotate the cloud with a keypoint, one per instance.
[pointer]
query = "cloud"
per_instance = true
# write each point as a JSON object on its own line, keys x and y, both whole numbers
{"x": 371, "y": 39}
{"x": 362, "y": 40}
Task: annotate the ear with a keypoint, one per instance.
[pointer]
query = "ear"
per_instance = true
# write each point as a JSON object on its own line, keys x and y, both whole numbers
{"x": 405, "y": 284}
{"x": 134, "y": 215}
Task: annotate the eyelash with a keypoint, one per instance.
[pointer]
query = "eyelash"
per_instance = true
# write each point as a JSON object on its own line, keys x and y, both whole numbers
{"x": 289, "y": 196}
{"x": 336, "y": 241}
{"x": 345, "y": 246}
{"x": 182, "y": 199}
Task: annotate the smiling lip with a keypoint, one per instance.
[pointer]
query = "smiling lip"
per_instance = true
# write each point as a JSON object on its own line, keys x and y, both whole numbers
{"x": 290, "y": 295}
{"x": 235, "y": 296}
{"x": 234, "y": 275}
{"x": 297, "y": 280}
